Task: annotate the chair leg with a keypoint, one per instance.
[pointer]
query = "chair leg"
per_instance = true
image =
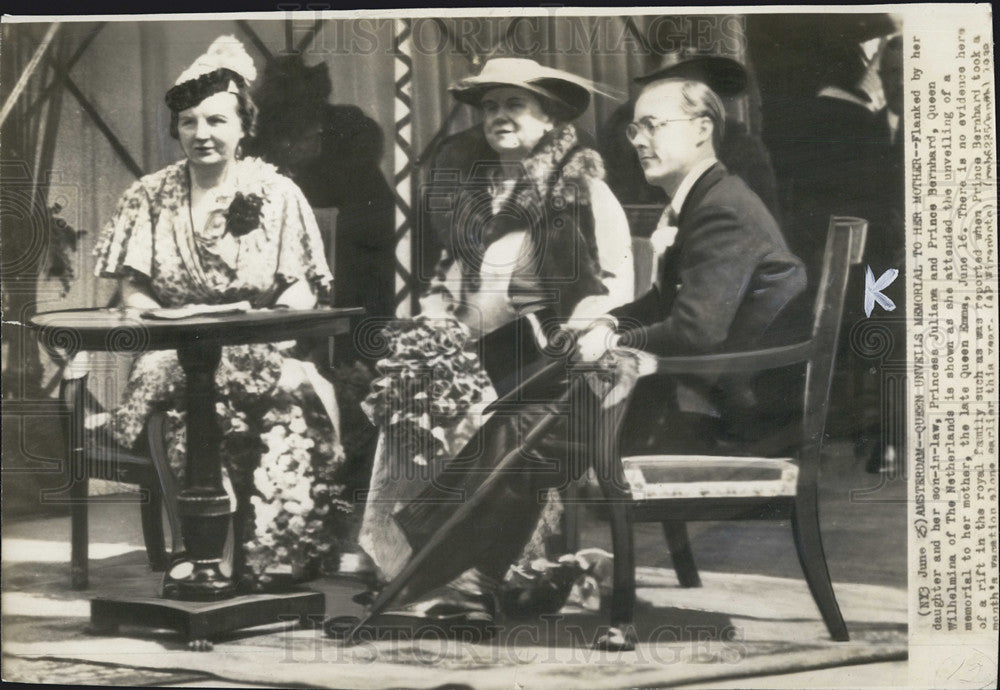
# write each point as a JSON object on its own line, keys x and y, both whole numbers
{"x": 236, "y": 542}
{"x": 680, "y": 553}
{"x": 78, "y": 491}
{"x": 72, "y": 391}
{"x": 809, "y": 545}
{"x": 151, "y": 510}
{"x": 174, "y": 522}
{"x": 168, "y": 490}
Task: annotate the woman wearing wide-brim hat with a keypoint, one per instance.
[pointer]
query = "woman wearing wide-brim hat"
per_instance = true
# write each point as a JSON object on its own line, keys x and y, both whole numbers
{"x": 531, "y": 227}
{"x": 540, "y": 168}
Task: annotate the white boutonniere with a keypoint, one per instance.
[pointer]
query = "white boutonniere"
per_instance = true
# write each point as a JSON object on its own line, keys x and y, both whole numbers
{"x": 664, "y": 235}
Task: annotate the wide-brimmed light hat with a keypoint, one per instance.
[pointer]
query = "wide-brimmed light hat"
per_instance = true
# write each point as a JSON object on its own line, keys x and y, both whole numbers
{"x": 566, "y": 92}
{"x": 724, "y": 75}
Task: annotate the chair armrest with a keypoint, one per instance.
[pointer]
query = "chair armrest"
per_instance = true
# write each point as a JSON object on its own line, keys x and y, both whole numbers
{"x": 730, "y": 362}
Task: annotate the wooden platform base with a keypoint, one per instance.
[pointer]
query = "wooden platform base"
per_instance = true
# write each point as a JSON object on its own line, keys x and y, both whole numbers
{"x": 200, "y": 622}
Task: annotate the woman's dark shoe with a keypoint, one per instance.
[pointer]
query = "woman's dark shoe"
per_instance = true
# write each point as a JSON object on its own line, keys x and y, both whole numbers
{"x": 541, "y": 588}
{"x": 365, "y": 598}
{"x": 339, "y": 627}
{"x": 614, "y": 639}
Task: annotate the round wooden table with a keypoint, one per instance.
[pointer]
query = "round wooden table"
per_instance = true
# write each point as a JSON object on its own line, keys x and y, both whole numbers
{"x": 203, "y": 506}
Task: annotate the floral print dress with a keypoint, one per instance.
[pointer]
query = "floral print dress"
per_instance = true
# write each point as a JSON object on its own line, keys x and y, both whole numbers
{"x": 280, "y": 443}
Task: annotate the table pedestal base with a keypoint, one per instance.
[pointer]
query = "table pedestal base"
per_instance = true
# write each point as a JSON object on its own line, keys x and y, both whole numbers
{"x": 201, "y": 574}
{"x": 200, "y": 622}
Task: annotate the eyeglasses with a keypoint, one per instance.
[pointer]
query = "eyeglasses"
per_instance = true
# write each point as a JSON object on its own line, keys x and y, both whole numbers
{"x": 648, "y": 126}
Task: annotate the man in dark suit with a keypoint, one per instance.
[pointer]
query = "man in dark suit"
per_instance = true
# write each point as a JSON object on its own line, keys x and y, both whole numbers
{"x": 725, "y": 276}
{"x": 742, "y": 152}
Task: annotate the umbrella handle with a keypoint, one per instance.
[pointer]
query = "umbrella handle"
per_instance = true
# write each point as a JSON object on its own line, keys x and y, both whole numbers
{"x": 539, "y": 375}
{"x": 395, "y": 588}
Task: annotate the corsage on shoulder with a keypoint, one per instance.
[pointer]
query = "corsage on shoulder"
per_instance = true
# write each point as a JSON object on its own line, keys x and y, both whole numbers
{"x": 255, "y": 180}
{"x": 244, "y": 214}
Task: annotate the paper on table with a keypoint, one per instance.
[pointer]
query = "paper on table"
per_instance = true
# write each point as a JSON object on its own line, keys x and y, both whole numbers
{"x": 174, "y": 313}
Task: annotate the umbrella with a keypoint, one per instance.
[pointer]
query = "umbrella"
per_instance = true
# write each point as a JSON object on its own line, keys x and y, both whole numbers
{"x": 416, "y": 579}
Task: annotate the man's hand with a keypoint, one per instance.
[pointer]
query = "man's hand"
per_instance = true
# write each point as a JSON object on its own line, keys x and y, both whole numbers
{"x": 592, "y": 344}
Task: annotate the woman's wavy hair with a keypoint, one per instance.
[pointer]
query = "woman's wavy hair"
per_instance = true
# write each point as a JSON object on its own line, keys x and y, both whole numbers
{"x": 193, "y": 92}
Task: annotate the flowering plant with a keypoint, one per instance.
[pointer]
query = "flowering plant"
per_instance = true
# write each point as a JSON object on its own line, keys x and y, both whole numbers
{"x": 281, "y": 456}
{"x": 430, "y": 380}
{"x": 296, "y": 503}
{"x": 63, "y": 240}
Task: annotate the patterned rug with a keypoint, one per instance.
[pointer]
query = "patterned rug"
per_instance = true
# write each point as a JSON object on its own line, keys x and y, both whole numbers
{"x": 734, "y": 626}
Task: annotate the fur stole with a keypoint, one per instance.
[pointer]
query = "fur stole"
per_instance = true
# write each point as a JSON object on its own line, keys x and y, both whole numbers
{"x": 550, "y": 201}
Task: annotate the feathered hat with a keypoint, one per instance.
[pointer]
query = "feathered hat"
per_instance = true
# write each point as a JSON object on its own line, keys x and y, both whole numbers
{"x": 225, "y": 66}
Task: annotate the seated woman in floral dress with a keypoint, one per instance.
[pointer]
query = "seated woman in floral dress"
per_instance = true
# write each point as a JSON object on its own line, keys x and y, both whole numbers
{"x": 216, "y": 228}
{"x": 534, "y": 231}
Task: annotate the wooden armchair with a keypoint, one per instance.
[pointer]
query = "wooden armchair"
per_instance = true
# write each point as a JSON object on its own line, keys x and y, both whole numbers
{"x": 675, "y": 490}
{"x": 91, "y": 454}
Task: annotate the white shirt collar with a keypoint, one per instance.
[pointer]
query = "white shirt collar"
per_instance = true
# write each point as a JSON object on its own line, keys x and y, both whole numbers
{"x": 666, "y": 232}
{"x": 694, "y": 174}
{"x": 892, "y": 119}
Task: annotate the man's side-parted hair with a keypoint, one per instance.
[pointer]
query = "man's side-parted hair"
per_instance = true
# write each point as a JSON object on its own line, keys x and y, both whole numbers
{"x": 698, "y": 100}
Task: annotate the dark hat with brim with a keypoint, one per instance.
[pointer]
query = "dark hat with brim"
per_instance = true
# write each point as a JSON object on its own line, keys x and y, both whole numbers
{"x": 190, "y": 93}
{"x": 225, "y": 66}
{"x": 859, "y": 28}
{"x": 723, "y": 75}
{"x": 567, "y": 94}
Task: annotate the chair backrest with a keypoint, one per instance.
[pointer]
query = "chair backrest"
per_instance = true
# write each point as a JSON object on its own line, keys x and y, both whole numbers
{"x": 845, "y": 243}
{"x": 644, "y": 260}
{"x": 642, "y": 220}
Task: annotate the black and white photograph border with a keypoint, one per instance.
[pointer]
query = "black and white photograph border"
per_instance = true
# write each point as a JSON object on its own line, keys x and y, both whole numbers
{"x": 500, "y": 347}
